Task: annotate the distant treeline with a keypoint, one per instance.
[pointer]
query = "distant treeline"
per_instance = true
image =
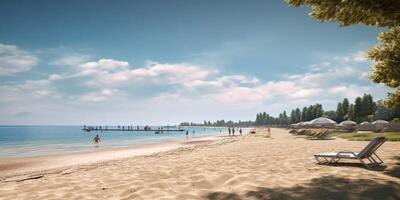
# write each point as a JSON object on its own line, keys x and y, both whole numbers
{"x": 363, "y": 108}
{"x": 220, "y": 123}
{"x": 297, "y": 115}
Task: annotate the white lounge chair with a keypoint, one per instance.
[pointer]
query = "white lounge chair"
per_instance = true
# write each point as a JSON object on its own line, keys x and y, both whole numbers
{"x": 368, "y": 153}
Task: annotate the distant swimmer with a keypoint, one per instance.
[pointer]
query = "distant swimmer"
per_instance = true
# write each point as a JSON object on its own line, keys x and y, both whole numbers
{"x": 96, "y": 140}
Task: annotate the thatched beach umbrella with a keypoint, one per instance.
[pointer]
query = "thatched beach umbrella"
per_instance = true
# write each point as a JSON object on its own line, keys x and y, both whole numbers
{"x": 296, "y": 125}
{"x": 347, "y": 125}
{"x": 305, "y": 124}
{"x": 366, "y": 126}
{"x": 393, "y": 126}
{"x": 348, "y": 122}
{"x": 323, "y": 122}
{"x": 380, "y": 124}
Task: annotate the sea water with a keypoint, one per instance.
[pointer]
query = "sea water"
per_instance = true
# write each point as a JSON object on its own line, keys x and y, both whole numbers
{"x": 21, "y": 141}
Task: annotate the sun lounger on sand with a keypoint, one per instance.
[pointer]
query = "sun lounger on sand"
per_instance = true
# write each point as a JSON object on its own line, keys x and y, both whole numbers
{"x": 321, "y": 135}
{"x": 366, "y": 154}
{"x": 301, "y": 132}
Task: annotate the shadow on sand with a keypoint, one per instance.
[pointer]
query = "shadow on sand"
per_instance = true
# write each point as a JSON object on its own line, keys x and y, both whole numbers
{"x": 327, "y": 138}
{"x": 328, "y": 187}
{"x": 395, "y": 170}
{"x": 378, "y": 168}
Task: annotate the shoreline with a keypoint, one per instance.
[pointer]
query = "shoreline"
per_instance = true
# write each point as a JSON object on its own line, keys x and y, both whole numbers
{"x": 83, "y": 142}
{"x": 20, "y": 166}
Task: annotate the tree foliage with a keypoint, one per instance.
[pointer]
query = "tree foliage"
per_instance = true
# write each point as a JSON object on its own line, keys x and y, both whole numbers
{"x": 364, "y": 108}
{"x": 380, "y": 13}
{"x": 358, "y": 109}
{"x": 386, "y": 113}
{"x": 345, "y": 107}
{"x": 350, "y": 114}
{"x": 339, "y": 112}
{"x": 387, "y": 63}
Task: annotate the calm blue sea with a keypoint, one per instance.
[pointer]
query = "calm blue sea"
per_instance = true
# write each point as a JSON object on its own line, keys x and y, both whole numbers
{"x": 20, "y": 141}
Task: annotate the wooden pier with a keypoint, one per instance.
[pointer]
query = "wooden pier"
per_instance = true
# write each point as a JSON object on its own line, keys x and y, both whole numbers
{"x": 130, "y": 129}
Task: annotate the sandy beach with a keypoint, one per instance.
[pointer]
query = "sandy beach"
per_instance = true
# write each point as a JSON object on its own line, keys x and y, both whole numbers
{"x": 21, "y": 167}
{"x": 260, "y": 166}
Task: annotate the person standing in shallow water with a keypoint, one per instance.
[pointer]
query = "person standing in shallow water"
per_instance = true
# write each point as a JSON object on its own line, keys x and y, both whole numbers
{"x": 96, "y": 140}
{"x": 233, "y": 131}
{"x": 229, "y": 131}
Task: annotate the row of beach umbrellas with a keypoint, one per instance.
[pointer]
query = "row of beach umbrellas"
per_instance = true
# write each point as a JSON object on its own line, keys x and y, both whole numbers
{"x": 323, "y": 121}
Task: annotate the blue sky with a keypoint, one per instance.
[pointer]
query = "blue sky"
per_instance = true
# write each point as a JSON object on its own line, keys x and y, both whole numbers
{"x": 163, "y": 62}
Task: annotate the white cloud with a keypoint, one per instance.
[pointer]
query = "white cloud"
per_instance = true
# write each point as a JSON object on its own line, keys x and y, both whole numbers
{"x": 26, "y": 93}
{"x": 196, "y": 84}
{"x": 239, "y": 78}
{"x": 70, "y": 60}
{"x": 350, "y": 91}
{"x": 55, "y": 77}
{"x": 194, "y": 89}
{"x": 14, "y": 60}
{"x": 329, "y": 81}
{"x": 338, "y": 89}
{"x": 105, "y": 64}
{"x": 120, "y": 73}
{"x": 98, "y": 96}
{"x": 171, "y": 73}
{"x": 273, "y": 90}
{"x": 221, "y": 82}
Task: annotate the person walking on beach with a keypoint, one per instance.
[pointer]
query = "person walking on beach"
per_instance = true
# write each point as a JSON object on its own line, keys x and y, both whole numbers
{"x": 229, "y": 131}
{"x": 233, "y": 131}
{"x": 96, "y": 140}
{"x": 240, "y": 131}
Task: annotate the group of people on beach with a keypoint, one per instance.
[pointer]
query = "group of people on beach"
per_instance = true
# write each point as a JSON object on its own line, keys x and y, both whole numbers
{"x": 187, "y": 133}
{"x": 232, "y": 131}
